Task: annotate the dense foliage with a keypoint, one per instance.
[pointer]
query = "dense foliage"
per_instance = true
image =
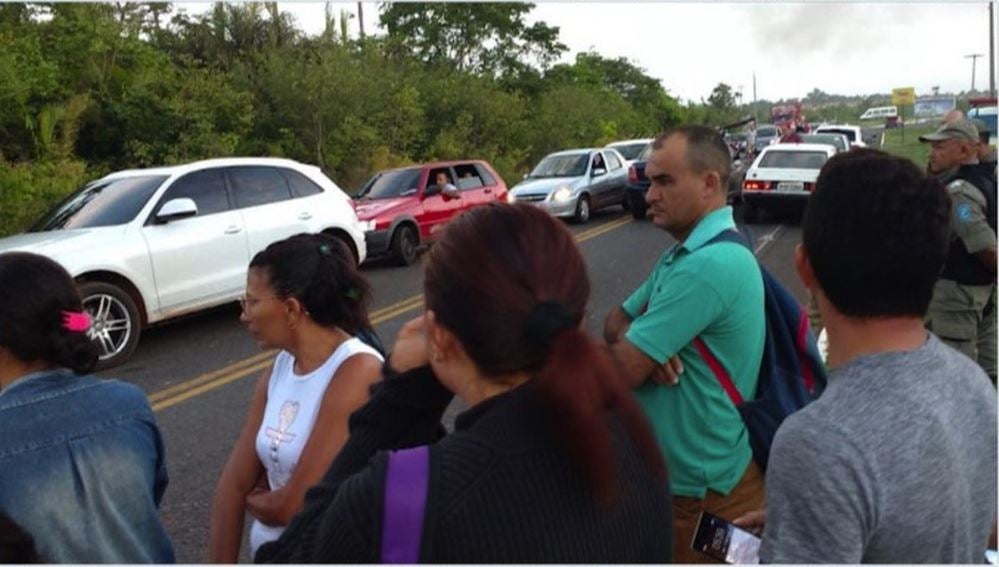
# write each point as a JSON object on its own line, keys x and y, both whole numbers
{"x": 90, "y": 88}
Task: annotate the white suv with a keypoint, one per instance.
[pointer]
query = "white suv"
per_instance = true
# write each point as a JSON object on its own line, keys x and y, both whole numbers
{"x": 147, "y": 245}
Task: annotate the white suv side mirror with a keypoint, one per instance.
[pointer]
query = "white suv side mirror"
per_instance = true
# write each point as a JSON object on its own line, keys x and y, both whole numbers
{"x": 176, "y": 209}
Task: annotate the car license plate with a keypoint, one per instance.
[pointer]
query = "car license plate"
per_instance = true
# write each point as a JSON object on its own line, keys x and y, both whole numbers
{"x": 790, "y": 186}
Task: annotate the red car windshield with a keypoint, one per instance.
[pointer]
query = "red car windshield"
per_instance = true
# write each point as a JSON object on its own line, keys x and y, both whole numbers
{"x": 389, "y": 184}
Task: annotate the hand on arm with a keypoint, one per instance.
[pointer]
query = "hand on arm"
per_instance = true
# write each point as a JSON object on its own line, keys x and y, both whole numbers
{"x": 616, "y": 325}
{"x": 241, "y": 474}
{"x": 637, "y": 367}
{"x": 346, "y": 392}
{"x": 404, "y": 410}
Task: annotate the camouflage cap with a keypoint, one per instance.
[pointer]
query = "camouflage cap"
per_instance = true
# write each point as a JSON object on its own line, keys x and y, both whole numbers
{"x": 962, "y": 129}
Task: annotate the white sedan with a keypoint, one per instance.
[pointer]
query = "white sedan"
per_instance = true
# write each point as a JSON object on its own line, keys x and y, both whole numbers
{"x": 631, "y": 149}
{"x": 147, "y": 245}
{"x": 853, "y": 133}
{"x": 783, "y": 174}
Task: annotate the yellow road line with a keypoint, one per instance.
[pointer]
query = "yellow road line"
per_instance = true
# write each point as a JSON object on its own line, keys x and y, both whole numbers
{"x": 240, "y": 369}
{"x": 222, "y": 381}
{"x": 405, "y": 309}
{"x": 603, "y": 229}
{"x": 209, "y": 376}
{"x": 380, "y": 313}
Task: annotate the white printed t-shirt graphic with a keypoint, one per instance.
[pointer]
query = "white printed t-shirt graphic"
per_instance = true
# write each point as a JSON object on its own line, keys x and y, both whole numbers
{"x": 293, "y": 402}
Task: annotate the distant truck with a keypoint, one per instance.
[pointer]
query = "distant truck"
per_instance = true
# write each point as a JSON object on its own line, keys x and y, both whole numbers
{"x": 782, "y": 115}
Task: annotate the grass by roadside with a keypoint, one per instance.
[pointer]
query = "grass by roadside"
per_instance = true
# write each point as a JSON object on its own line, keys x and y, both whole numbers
{"x": 912, "y": 148}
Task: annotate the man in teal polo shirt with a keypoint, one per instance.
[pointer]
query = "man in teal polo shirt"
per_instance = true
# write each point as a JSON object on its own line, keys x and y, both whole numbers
{"x": 714, "y": 292}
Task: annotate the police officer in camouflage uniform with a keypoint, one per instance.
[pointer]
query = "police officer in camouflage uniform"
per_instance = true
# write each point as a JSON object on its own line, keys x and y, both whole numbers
{"x": 963, "y": 310}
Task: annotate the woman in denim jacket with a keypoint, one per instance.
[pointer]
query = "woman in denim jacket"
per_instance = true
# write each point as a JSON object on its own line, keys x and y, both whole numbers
{"x": 82, "y": 467}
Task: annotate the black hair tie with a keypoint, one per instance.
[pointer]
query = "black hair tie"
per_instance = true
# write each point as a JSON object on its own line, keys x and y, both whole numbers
{"x": 547, "y": 320}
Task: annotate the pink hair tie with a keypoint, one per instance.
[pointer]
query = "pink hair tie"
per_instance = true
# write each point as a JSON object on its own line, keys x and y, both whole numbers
{"x": 75, "y": 322}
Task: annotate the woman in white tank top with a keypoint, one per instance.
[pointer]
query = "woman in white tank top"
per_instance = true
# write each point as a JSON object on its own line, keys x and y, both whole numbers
{"x": 304, "y": 297}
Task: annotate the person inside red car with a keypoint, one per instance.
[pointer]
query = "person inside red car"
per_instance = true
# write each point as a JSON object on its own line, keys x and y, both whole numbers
{"x": 444, "y": 181}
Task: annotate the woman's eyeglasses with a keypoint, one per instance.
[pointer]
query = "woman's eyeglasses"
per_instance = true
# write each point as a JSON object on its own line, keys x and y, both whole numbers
{"x": 247, "y": 304}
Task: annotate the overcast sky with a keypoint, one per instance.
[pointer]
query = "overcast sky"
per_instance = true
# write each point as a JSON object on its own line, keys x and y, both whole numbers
{"x": 842, "y": 48}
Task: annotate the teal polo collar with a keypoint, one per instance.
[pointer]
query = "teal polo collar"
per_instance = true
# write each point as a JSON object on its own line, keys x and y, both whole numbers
{"x": 710, "y": 226}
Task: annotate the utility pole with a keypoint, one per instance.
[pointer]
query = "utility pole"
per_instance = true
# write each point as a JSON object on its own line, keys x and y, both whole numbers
{"x": 974, "y": 57}
{"x": 360, "y": 17}
{"x": 756, "y": 116}
{"x": 992, "y": 50}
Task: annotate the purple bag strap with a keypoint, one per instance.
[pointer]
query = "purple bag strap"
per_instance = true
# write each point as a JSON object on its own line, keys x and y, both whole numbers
{"x": 405, "y": 502}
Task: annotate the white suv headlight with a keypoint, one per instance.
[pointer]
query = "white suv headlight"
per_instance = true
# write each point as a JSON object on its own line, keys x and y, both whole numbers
{"x": 562, "y": 194}
{"x": 510, "y": 197}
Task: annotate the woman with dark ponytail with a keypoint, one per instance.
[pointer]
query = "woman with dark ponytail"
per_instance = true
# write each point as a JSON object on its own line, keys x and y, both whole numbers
{"x": 82, "y": 466}
{"x": 552, "y": 462}
{"x": 306, "y": 298}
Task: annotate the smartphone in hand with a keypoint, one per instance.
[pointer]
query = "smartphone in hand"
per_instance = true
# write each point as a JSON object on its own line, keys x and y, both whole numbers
{"x": 723, "y": 541}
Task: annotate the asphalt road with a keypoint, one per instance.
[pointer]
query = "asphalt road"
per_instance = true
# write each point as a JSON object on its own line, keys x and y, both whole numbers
{"x": 199, "y": 371}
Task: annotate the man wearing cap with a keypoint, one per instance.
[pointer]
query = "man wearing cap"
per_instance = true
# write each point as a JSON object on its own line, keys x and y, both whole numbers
{"x": 986, "y": 153}
{"x": 963, "y": 310}
{"x": 952, "y": 116}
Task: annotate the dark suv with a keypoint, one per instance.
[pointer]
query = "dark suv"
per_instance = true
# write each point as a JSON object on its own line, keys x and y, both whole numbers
{"x": 638, "y": 184}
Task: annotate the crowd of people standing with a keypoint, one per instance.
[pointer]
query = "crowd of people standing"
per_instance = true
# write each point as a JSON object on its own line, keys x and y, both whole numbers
{"x": 572, "y": 449}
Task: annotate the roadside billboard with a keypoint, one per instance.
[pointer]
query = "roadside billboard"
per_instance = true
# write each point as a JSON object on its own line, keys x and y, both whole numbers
{"x": 934, "y": 106}
{"x": 903, "y": 96}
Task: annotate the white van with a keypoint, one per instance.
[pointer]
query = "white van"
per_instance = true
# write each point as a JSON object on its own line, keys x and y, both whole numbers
{"x": 880, "y": 112}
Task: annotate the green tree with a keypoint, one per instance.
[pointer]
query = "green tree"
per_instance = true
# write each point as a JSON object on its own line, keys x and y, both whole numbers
{"x": 487, "y": 38}
{"x": 721, "y": 105}
{"x": 646, "y": 95}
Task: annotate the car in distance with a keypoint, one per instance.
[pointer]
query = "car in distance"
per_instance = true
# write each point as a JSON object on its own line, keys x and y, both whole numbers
{"x": 638, "y": 185}
{"x": 402, "y": 209}
{"x": 853, "y": 133}
{"x": 630, "y": 149}
{"x": 839, "y": 141}
{"x": 783, "y": 175}
{"x": 573, "y": 183}
{"x": 764, "y": 136}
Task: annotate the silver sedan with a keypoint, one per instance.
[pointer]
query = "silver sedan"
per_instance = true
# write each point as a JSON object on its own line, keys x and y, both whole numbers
{"x": 573, "y": 183}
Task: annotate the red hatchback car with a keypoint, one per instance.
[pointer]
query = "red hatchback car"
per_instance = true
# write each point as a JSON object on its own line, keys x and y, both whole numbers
{"x": 400, "y": 209}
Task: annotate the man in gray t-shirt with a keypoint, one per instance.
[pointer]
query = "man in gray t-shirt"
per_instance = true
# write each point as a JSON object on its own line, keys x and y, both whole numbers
{"x": 896, "y": 462}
